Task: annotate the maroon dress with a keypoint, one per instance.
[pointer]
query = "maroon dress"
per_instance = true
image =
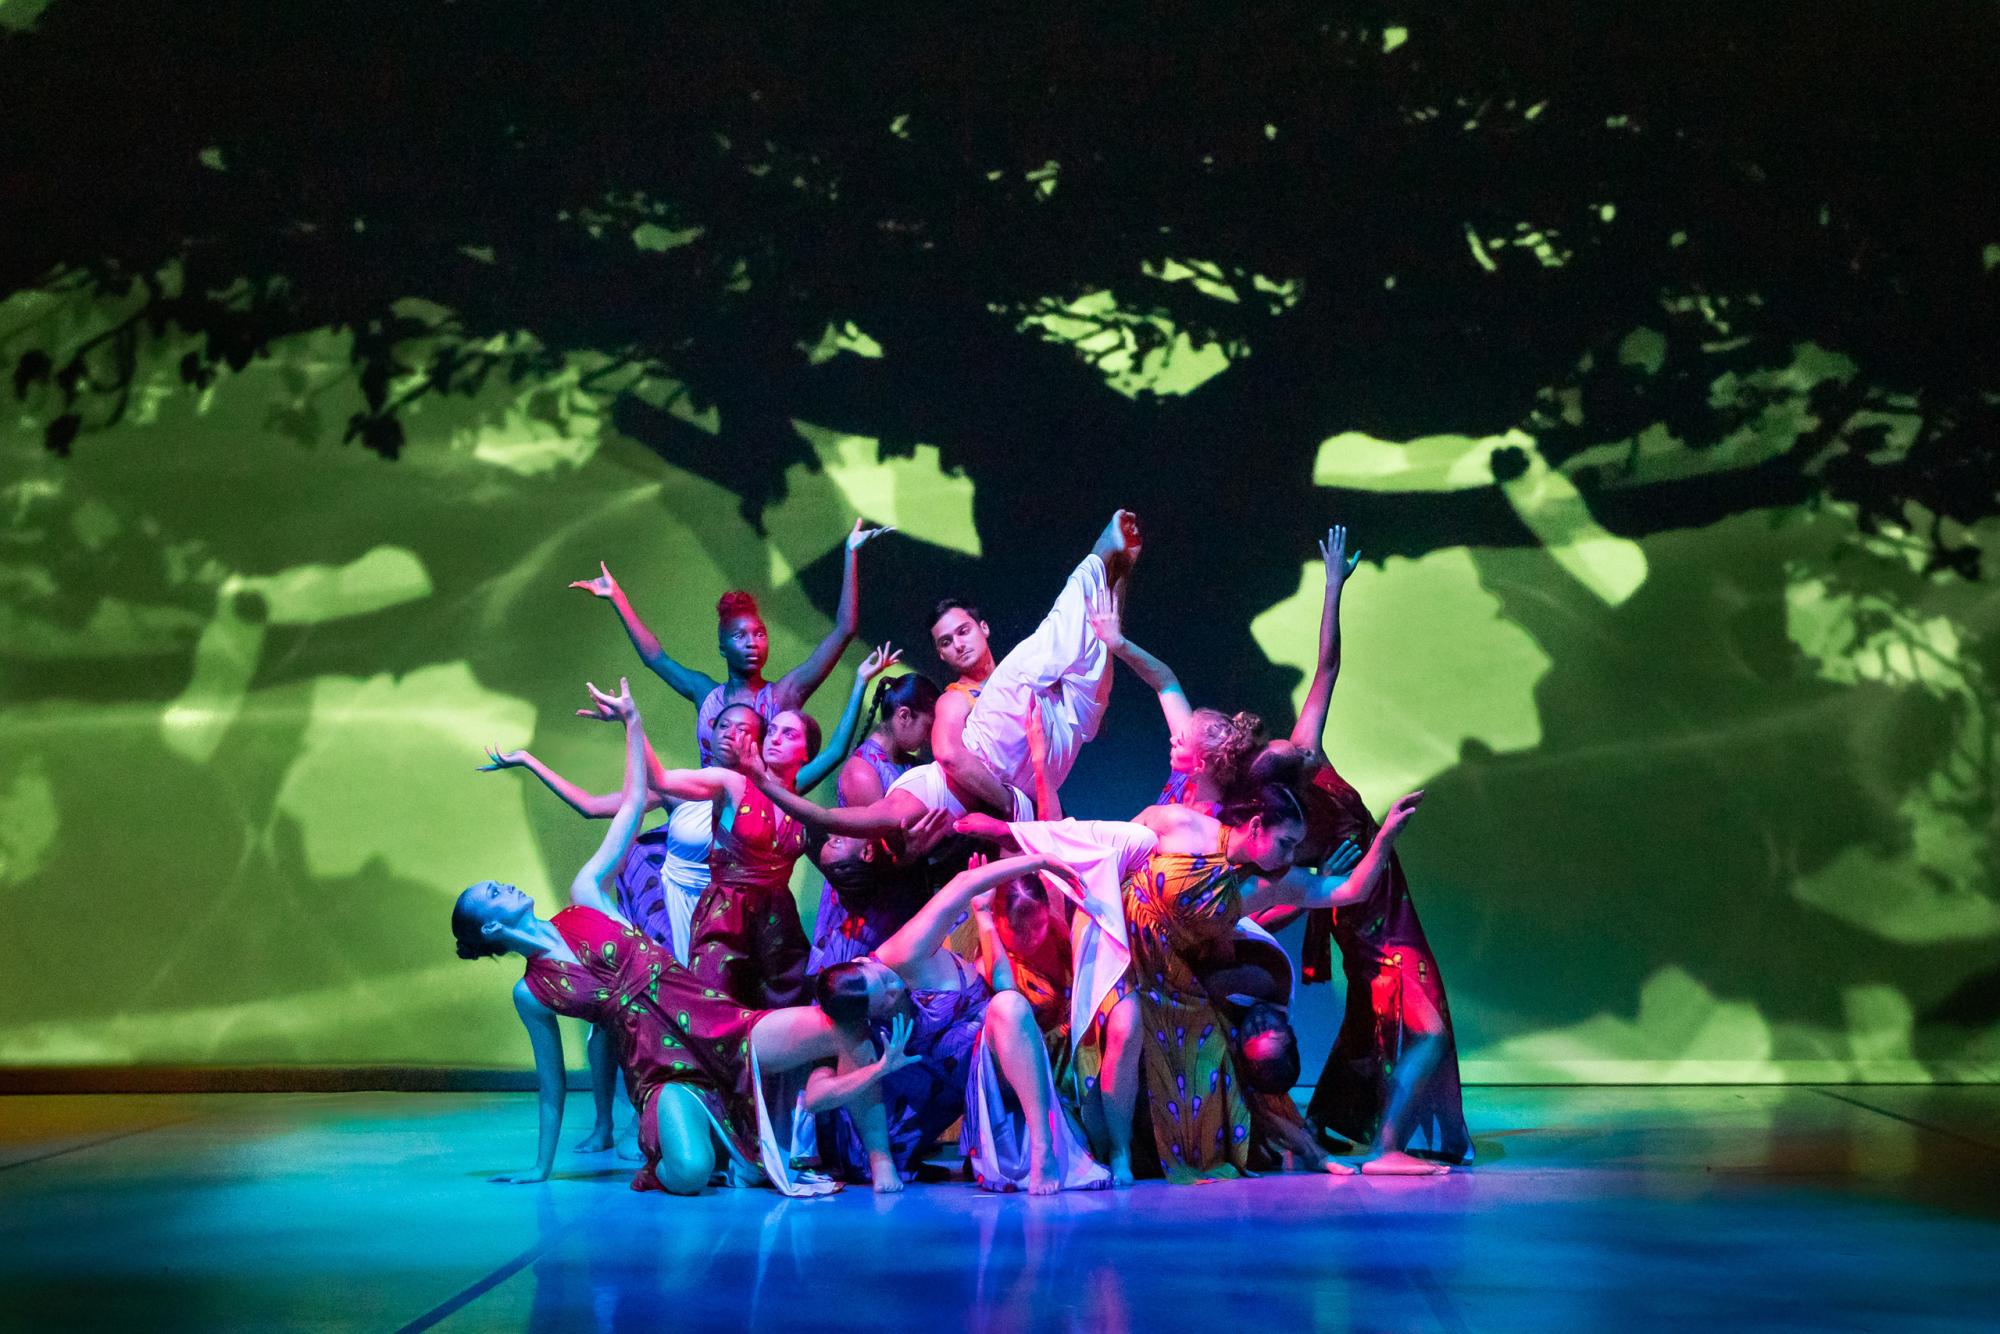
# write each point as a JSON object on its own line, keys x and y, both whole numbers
{"x": 665, "y": 1024}
{"x": 1390, "y": 969}
{"x": 749, "y": 942}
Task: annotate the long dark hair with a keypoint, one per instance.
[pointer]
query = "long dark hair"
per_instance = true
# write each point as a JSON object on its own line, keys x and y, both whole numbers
{"x": 1274, "y": 803}
{"x": 912, "y": 690}
{"x": 841, "y": 992}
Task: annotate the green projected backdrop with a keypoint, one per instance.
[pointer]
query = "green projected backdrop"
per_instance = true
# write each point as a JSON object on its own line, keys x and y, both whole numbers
{"x": 1666, "y": 438}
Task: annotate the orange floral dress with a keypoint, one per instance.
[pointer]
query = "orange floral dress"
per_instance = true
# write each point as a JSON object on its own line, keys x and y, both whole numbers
{"x": 1176, "y": 906}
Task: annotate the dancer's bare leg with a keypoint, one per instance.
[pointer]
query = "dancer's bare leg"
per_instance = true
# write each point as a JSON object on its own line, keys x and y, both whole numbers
{"x": 1024, "y": 1064}
{"x": 1423, "y": 1046}
{"x": 1118, "y": 1084}
{"x": 687, "y": 1141}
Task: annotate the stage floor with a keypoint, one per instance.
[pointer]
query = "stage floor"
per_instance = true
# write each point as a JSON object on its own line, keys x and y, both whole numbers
{"x": 1805, "y": 1208}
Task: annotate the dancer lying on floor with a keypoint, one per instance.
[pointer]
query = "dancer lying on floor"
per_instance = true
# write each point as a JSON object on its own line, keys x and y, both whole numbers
{"x": 744, "y": 644}
{"x": 1160, "y": 890}
{"x": 1391, "y": 1081}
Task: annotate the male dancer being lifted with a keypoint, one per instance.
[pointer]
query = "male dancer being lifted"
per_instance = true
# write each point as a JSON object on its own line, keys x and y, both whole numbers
{"x": 979, "y": 739}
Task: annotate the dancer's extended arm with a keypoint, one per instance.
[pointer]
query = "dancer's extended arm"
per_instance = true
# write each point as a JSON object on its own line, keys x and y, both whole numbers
{"x": 1310, "y": 731}
{"x": 1108, "y": 622}
{"x": 1303, "y": 889}
{"x": 796, "y": 686}
{"x": 551, "y": 1083}
{"x": 587, "y": 890}
{"x": 920, "y": 937}
{"x": 875, "y": 820}
{"x": 994, "y": 961}
{"x": 1048, "y": 806}
{"x": 590, "y": 805}
{"x": 685, "y": 680}
{"x": 833, "y": 754}
{"x": 854, "y": 1073}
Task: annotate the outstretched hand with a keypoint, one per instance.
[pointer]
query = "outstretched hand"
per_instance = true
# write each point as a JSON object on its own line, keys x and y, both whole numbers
{"x": 878, "y": 662}
{"x": 894, "y": 1057}
{"x": 603, "y": 586}
{"x": 607, "y": 708}
{"x": 1339, "y": 562}
{"x": 1106, "y": 621}
{"x": 1343, "y": 858}
{"x": 497, "y": 760}
{"x": 1400, "y": 813}
{"x": 924, "y": 831}
{"x": 532, "y": 1176}
{"x": 861, "y": 536}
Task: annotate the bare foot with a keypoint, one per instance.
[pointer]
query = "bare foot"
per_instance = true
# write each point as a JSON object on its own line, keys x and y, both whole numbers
{"x": 1121, "y": 1171}
{"x": 1042, "y": 1182}
{"x": 1396, "y": 1163}
{"x": 1118, "y": 545}
{"x": 1333, "y": 1167}
{"x": 628, "y": 1147}
{"x": 597, "y": 1141}
{"x": 889, "y": 1183}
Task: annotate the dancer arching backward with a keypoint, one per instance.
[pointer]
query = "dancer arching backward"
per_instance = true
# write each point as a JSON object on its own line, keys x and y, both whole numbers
{"x": 952, "y": 1024}
{"x": 1160, "y": 890}
{"x": 661, "y": 879}
{"x": 681, "y": 1047}
{"x": 744, "y": 644}
{"x": 852, "y": 922}
{"x": 1208, "y": 752}
{"x": 1391, "y": 1080}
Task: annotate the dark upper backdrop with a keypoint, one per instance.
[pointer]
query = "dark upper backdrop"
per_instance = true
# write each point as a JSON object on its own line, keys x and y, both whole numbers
{"x": 1651, "y": 357}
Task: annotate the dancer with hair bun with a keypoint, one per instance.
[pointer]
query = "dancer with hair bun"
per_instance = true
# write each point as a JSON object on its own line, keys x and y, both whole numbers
{"x": 744, "y": 642}
{"x": 1208, "y": 751}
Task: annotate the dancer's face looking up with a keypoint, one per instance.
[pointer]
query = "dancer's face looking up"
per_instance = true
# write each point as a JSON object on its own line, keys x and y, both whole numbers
{"x": 488, "y": 911}
{"x": 910, "y": 730}
{"x": 1185, "y": 750}
{"x": 960, "y": 639}
{"x": 789, "y": 741}
{"x": 744, "y": 643}
{"x": 739, "y": 731}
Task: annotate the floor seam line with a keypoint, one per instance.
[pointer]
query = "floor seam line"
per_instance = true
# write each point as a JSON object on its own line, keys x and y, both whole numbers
{"x": 1910, "y": 1121}
{"x": 472, "y": 1292}
{"x": 98, "y": 1143}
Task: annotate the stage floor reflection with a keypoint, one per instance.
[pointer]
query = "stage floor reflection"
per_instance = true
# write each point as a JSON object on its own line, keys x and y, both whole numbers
{"x": 1591, "y": 1208}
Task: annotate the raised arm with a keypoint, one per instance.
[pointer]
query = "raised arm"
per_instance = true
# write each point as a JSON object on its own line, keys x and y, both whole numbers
{"x": 1310, "y": 731}
{"x": 587, "y": 890}
{"x": 796, "y": 686}
{"x": 920, "y": 937}
{"x": 994, "y": 960}
{"x": 551, "y": 1081}
{"x": 834, "y": 753}
{"x": 685, "y": 680}
{"x": 1303, "y": 889}
{"x": 871, "y": 821}
{"x": 590, "y": 805}
{"x": 1108, "y": 622}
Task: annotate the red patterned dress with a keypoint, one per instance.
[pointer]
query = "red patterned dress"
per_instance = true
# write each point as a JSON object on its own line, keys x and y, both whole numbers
{"x": 666, "y": 1026}
{"x": 1394, "y": 992}
{"x": 749, "y": 942}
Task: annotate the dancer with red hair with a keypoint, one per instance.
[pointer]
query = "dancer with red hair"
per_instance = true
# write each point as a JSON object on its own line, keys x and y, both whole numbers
{"x": 744, "y": 642}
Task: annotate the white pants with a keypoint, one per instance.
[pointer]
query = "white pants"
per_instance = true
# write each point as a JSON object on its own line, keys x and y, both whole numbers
{"x": 1058, "y": 670}
{"x": 927, "y": 784}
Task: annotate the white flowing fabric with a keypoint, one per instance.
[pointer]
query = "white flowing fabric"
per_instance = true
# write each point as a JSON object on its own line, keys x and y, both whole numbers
{"x": 1103, "y": 853}
{"x": 783, "y": 1091}
{"x": 995, "y": 1138}
{"x": 684, "y": 869}
{"x": 1059, "y": 669}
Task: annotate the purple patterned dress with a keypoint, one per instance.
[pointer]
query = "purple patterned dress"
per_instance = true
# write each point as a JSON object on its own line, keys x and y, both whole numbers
{"x": 843, "y": 932}
{"x": 925, "y": 1098}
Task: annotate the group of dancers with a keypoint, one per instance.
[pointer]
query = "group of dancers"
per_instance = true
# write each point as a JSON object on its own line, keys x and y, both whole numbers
{"x": 1085, "y": 1001}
